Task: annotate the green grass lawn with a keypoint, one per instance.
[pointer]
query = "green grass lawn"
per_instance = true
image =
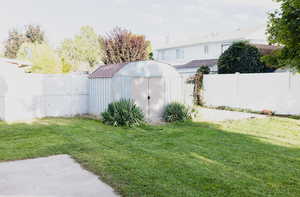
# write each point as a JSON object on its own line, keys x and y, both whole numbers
{"x": 258, "y": 157}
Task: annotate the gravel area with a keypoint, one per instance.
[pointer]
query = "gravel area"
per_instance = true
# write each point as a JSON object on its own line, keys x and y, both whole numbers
{"x": 214, "y": 115}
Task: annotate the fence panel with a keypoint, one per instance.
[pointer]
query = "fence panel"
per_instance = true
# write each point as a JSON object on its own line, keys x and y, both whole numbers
{"x": 32, "y": 96}
{"x": 220, "y": 90}
{"x": 278, "y": 92}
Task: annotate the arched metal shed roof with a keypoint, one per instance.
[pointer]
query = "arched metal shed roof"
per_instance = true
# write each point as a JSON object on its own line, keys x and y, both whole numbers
{"x": 147, "y": 69}
{"x": 106, "y": 71}
{"x": 136, "y": 69}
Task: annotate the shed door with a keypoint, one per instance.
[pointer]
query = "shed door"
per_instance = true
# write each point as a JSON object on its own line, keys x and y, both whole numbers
{"x": 148, "y": 93}
{"x": 156, "y": 98}
{"x": 140, "y": 93}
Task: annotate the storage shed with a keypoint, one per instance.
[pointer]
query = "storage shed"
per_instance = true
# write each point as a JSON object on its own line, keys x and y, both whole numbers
{"x": 152, "y": 85}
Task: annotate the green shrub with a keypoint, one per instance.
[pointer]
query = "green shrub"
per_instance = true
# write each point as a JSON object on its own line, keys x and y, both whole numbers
{"x": 123, "y": 113}
{"x": 176, "y": 112}
{"x": 240, "y": 57}
{"x": 204, "y": 70}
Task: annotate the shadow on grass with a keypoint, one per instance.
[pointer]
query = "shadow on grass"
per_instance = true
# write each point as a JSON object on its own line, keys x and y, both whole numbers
{"x": 180, "y": 159}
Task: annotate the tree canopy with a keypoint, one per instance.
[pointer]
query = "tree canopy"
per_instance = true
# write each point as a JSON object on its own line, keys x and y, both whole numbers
{"x": 284, "y": 29}
{"x": 84, "y": 47}
{"x": 43, "y": 58}
{"x": 240, "y": 57}
{"x": 32, "y": 34}
{"x": 13, "y": 43}
{"x": 121, "y": 45}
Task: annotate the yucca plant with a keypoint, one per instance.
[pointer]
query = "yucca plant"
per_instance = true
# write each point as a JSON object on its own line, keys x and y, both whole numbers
{"x": 176, "y": 112}
{"x": 123, "y": 113}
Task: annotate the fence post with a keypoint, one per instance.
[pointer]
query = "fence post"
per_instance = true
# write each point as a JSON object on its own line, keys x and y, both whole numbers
{"x": 290, "y": 80}
{"x": 290, "y": 93}
{"x": 237, "y": 76}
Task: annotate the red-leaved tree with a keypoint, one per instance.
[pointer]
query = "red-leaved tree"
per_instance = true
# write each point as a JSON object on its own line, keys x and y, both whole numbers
{"x": 120, "y": 46}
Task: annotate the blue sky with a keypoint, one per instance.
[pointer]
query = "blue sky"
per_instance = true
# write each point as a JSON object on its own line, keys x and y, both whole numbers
{"x": 154, "y": 18}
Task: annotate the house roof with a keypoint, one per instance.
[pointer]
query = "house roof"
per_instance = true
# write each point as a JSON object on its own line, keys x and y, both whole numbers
{"x": 9, "y": 70}
{"x": 198, "y": 63}
{"x": 266, "y": 49}
{"x": 256, "y": 34}
{"x": 106, "y": 71}
{"x": 135, "y": 69}
{"x": 19, "y": 63}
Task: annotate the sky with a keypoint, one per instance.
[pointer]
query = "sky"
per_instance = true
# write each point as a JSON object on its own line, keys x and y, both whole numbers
{"x": 156, "y": 19}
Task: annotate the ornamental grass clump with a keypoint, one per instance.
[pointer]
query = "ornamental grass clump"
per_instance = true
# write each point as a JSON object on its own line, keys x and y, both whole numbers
{"x": 123, "y": 113}
{"x": 176, "y": 112}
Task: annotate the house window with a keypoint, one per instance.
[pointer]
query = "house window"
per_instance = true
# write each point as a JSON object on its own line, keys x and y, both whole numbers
{"x": 206, "y": 50}
{"x": 179, "y": 53}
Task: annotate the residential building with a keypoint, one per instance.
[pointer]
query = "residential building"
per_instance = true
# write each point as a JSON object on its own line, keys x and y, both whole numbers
{"x": 207, "y": 48}
{"x": 191, "y": 67}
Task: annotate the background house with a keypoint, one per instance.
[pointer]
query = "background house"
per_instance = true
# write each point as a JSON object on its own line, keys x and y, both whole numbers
{"x": 188, "y": 56}
{"x": 191, "y": 67}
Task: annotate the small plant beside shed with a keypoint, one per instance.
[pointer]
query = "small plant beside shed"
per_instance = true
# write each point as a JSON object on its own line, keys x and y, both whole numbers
{"x": 176, "y": 112}
{"x": 123, "y": 113}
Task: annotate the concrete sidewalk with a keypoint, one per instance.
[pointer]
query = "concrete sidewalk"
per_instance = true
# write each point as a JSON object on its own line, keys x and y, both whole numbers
{"x": 55, "y": 176}
{"x": 214, "y": 115}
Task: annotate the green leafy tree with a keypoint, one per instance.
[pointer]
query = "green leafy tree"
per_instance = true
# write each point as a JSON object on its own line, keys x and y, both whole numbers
{"x": 83, "y": 48}
{"x": 88, "y": 46}
{"x": 43, "y": 58}
{"x": 284, "y": 29}
{"x": 240, "y": 57}
{"x": 150, "y": 51}
{"x": 32, "y": 34}
{"x": 120, "y": 45}
{"x": 69, "y": 54}
{"x": 13, "y": 43}
{"x": 66, "y": 66}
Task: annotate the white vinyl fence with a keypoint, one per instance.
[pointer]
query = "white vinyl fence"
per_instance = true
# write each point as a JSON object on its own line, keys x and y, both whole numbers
{"x": 29, "y": 96}
{"x": 187, "y": 90}
{"x": 279, "y": 92}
